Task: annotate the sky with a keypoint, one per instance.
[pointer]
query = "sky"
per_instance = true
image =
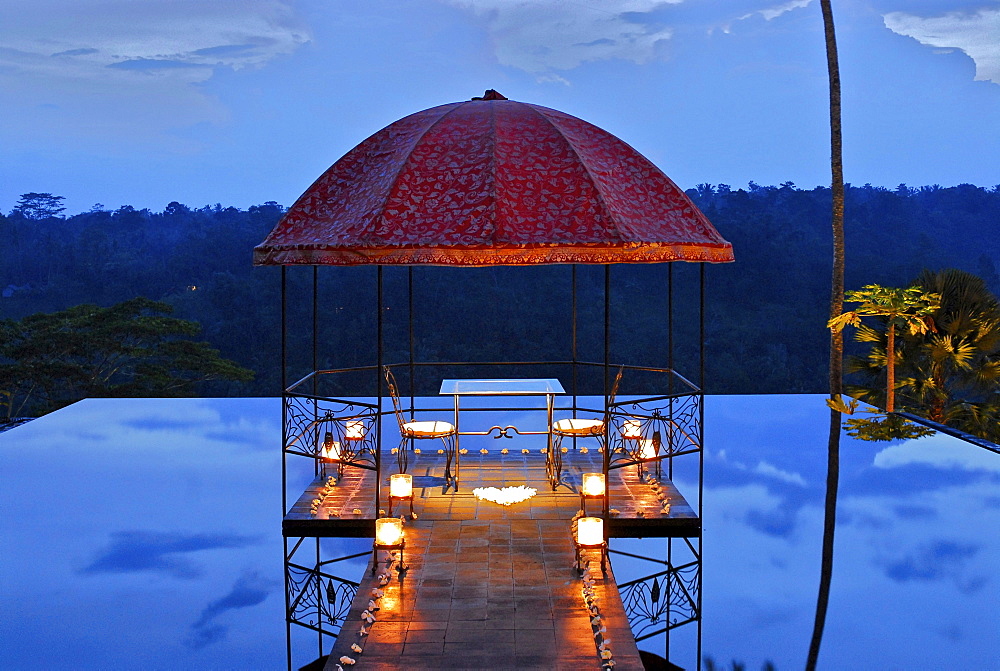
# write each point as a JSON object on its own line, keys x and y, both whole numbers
{"x": 144, "y": 102}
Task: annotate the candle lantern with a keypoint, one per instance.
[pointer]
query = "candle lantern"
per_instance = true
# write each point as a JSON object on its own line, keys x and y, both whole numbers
{"x": 590, "y": 535}
{"x": 590, "y": 531}
{"x": 592, "y": 487}
{"x": 329, "y": 451}
{"x": 593, "y": 484}
{"x": 631, "y": 429}
{"x": 401, "y": 485}
{"x": 354, "y": 429}
{"x": 388, "y": 531}
{"x": 388, "y": 537}
{"x": 401, "y": 488}
{"x": 648, "y": 449}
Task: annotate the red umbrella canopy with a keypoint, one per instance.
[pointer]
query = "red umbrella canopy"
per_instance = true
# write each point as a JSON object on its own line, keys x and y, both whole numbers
{"x": 492, "y": 182}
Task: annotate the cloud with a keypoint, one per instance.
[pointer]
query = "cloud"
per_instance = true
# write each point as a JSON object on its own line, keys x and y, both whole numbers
{"x": 975, "y": 33}
{"x": 941, "y": 452}
{"x": 205, "y": 636}
{"x": 765, "y": 468}
{"x": 249, "y": 590}
{"x": 931, "y": 562}
{"x": 769, "y": 13}
{"x": 119, "y": 68}
{"x": 157, "y": 552}
{"x": 775, "y": 11}
{"x": 92, "y": 35}
{"x": 542, "y": 35}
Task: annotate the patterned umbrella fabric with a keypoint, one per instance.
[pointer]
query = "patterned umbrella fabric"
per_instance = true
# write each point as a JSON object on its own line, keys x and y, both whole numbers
{"x": 487, "y": 182}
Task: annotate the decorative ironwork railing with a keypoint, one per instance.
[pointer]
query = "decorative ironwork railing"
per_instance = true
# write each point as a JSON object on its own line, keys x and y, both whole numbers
{"x": 318, "y": 600}
{"x": 341, "y": 430}
{"x": 651, "y": 429}
{"x": 663, "y": 600}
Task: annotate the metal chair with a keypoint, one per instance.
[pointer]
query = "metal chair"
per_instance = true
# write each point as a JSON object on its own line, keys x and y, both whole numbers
{"x": 411, "y": 430}
{"x": 578, "y": 427}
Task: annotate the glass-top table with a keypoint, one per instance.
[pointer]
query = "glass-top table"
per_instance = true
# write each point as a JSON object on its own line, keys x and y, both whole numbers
{"x": 508, "y": 387}
{"x": 547, "y": 387}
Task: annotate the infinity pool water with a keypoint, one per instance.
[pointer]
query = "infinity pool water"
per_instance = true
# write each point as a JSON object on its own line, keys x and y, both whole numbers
{"x": 145, "y": 534}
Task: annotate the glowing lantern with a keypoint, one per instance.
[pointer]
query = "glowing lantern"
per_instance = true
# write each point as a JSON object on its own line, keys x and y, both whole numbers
{"x": 330, "y": 449}
{"x": 593, "y": 484}
{"x": 590, "y": 531}
{"x": 648, "y": 449}
{"x": 401, "y": 486}
{"x": 631, "y": 429}
{"x": 354, "y": 429}
{"x": 388, "y": 531}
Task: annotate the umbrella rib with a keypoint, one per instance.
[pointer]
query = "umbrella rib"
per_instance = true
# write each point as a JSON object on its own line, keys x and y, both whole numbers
{"x": 402, "y": 164}
{"x": 586, "y": 167}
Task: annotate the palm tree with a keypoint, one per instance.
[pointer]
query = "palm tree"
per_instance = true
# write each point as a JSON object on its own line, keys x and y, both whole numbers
{"x": 951, "y": 375}
{"x": 836, "y": 338}
{"x": 909, "y": 308}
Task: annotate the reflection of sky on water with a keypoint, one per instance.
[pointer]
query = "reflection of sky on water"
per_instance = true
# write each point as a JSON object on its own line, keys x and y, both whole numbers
{"x": 145, "y": 534}
{"x": 914, "y": 583}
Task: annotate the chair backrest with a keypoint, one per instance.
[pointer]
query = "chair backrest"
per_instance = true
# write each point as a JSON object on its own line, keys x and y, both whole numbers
{"x": 390, "y": 380}
{"x": 611, "y": 397}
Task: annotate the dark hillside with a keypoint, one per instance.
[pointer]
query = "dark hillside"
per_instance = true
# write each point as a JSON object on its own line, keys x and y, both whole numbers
{"x": 766, "y": 312}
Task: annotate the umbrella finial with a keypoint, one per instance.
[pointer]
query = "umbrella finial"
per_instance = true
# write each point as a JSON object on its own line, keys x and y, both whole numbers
{"x": 491, "y": 95}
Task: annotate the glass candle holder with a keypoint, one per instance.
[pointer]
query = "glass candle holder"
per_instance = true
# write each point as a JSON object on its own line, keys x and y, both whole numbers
{"x": 590, "y": 531}
{"x": 593, "y": 484}
{"x": 401, "y": 485}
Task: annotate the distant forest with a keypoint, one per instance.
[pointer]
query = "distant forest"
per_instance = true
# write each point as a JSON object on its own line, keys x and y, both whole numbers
{"x": 766, "y": 313}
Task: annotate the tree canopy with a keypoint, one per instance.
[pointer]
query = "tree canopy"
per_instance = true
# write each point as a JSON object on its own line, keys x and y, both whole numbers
{"x": 38, "y": 206}
{"x": 133, "y": 348}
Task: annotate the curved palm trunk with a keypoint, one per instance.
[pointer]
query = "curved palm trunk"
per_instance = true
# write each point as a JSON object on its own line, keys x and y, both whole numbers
{"x": 890, "y": 370}
{"x": 836, "y": 339}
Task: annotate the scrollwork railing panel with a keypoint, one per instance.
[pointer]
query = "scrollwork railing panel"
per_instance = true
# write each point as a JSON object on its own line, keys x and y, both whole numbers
{"x": 656, "y": 428}
{"x": 662, "y": 601}
{"x": 318, "y": 601}
{"x": 352, "y": 426}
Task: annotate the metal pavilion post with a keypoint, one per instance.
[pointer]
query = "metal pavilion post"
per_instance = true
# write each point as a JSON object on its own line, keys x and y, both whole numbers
{"x": 379, "y": 362}
{"x": 573, "y": 333}
{"x": 701, "y": 451}
{"x": 315, "y": 354}
{"x": 284, "y": 386}
{"x": 670, "y": 362}
{"x": 409, "y": 312}
{"x": 319, "y": 605}
{"x": 607, "y": 391}
{"x": 284, "y": 465}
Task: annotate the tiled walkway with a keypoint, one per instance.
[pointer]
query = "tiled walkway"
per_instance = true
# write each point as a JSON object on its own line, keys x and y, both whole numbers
{"x": 350, "y": 505}
{"x": 488, "y": 586}
{"x": 500, "y": 594}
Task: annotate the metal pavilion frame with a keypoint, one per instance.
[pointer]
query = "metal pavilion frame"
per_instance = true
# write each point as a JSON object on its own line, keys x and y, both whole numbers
{"x": 657, "y": 604}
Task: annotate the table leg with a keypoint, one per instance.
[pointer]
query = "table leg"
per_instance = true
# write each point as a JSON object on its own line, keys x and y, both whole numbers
{"x": 549, "y": 402}
{"x": 458, "y": 449}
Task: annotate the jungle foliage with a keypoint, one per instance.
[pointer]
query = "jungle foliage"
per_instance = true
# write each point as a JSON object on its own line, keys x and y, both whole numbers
{"x": 133, "y": 348}
{"x": 948, "y": 372}
{"x": 766, "y": 313}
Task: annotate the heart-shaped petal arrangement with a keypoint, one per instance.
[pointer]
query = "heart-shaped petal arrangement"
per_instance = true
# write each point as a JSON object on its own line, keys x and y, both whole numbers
{"x": 505, "y": 496}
